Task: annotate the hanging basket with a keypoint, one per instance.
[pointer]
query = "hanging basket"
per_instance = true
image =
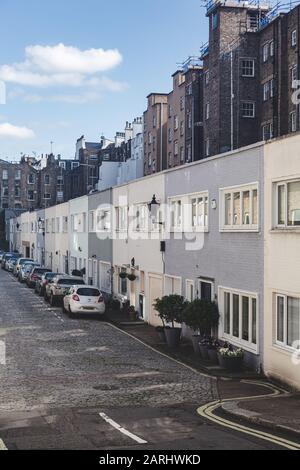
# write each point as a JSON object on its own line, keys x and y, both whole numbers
{"x": 131, "y": 277}
{"x": 123, "y": 275}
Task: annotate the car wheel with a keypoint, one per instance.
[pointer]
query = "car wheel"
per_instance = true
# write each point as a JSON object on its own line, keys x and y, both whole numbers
{"x": 46, "y": 297}
{"x": 52, "y": 300}
{"x": 71, "y": 314}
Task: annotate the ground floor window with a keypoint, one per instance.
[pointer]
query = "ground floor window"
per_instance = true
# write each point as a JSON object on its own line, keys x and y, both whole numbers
{"x": 239, "y": 315}
{"x": 205, "y": 290}
{"x": 172, "y": 285}
{"x": 190, "y": 290}
{"x": 288, "y": 321}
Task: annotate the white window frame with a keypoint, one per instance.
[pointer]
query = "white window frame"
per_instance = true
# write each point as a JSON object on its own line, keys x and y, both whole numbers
{"x": 266, "y": 91}
{"x": 276, "y": 187}
{"x": 207, "y": 110}
{"x": 197, "y": 227}
{"x": 176, "y": 215}
{"x": 188, "y": 284}
{"x": 267, "y": 131}
{"x": 265, "y": 52}
{"x": 249, "y": 116}
{"x": 283, "y": 344}
{"x": 173, "y": 280}
{"x": 293, "y": 121}
{"x": 248, "y": 66}
{"x": 207, "y": 147}
{"x": 272, "y": 48}
{"x": 251, "y": 227}
{"x": 239, "y": 342}
{"x": 141, "y": 216}
{"x": 207, "y": 281}
{"x": 92, "y": 221}
{"x": 103, "y": 220}
{"x": 122, "y": 218}
{"x": 294, "y": 38}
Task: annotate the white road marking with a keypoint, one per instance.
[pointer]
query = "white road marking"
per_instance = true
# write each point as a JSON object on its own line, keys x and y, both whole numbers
{"x": 121, "y": 429}
{"x": 2, "y": 445}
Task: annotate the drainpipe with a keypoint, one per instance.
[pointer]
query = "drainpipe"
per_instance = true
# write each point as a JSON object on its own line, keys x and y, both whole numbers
{"x": 231, "y": 99}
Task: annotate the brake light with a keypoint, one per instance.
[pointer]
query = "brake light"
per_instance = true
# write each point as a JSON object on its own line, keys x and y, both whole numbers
{"x": 100, "y": 300}
{"x": 34, "y": 277}
{"x": 76, "y": 298}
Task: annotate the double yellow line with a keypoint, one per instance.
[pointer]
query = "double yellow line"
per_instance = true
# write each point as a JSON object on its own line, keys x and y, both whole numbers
{"x": 207, "y": 411}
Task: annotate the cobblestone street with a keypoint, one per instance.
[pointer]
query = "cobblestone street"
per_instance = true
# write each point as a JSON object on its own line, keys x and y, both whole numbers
{"x": 61, "y": 374}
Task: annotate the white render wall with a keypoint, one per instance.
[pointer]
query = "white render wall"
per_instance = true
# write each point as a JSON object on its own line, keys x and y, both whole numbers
{"x": 282, "y": 258}
{"x": 78, "y": 240}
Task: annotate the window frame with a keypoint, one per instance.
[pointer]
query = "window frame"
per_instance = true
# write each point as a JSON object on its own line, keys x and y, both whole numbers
{"x": 243, "y": 110}
{"x": 294, "y": 38}
{"x": 251, "y": 227}
{"x": 206, "y": 281}
{"x": 239, "y": 341}
{"x": 276, "y": 186}
{"x": 283, "y": 344}
{"x": 196, "y": 196}
{"x": 247, "y": 67}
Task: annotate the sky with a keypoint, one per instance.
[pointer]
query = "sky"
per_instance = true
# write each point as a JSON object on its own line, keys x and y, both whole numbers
{"x": 74, "y": 67}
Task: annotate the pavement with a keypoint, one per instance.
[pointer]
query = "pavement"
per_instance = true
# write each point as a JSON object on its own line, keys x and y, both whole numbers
{"x": 86, "y": 384}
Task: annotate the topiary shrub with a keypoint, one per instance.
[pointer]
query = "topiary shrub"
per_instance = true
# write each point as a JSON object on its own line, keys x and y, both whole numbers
{"x": 170, "y": 309}
{"x": 201, "y": 316}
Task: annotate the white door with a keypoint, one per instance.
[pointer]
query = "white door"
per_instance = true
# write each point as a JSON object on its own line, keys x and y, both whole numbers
{"x": 155, "y": 292}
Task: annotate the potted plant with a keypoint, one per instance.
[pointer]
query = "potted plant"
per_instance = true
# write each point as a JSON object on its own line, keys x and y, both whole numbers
{"x": 132, "y": 313}
{"x": 123, "y": 275}
{"x": 161, "y": 333}
{"x": 231, "y": 359}
{"x": 131, "y": 277}
{"x": 170, "y": 310}
{"x": 201, "y": 316}
{"x": 203, "y": 347}
{"x": 212, "y": 350}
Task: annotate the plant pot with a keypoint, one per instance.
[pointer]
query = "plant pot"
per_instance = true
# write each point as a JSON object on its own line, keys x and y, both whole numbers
{"x": 213, "y": 356}
{"x": 233, "y": 364}
{"x": 132, "y": 316}
{"x": 173, "y": 336}
{"x": 161, "y": 334}
{"x": 204, "y": 351}
{"x": 195, "y": 342}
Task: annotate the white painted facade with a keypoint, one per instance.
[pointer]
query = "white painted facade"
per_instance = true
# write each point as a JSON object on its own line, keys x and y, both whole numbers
{"x": 134, "y": 254}
{"x": 282, "y": 260}
{"x": 78, "y": 234}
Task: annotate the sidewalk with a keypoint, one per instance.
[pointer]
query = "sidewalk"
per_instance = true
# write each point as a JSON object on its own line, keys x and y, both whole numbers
{"x": 184, "y": 353}
{"x": 281, "y": 414}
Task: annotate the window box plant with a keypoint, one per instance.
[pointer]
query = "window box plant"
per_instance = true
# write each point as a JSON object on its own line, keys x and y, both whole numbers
{"x": 231, "y": 359}
{"x": 170, "y": 310}
{"x": 201, "y": 316}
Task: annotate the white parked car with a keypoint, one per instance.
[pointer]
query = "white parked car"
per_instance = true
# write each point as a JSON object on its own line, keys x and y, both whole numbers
{"x": 83, "y": 299}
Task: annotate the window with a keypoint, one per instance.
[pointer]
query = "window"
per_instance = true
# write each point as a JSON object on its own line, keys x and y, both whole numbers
{"x": 287, "y": 321}
{"x": 294, "y": 38}
{"x": 199, "y": 211}
{"x": 239, "y": 208}
{"x": 62, "y": 165}
{"x": 293, "y": 121}
{"x": 294, "y": 75}
{"x": 248, "y": 109}
{"x": 103, "y": 220}
{"x": 239, "y": 318}
{"x": 17, "y": 191}
{"x": 170, "y": 134}
{"x": 5, "y": 174}
{"x": 266, "y": 91}
{"x": 92, "y": 221}
{"x": 272, "y": 88}
{"x": 149, "y": 159}
{"x": 189, "y": 153}
{"x": 189, "y": 120}
{"x": 176, "y": 148}
{"x": 47, "y": 179}
{"x": 75, "y": 165}
{"x": 182, "y": 103}
{"x": 288, "y": 204}
{"x": 189, "y": 90}
{"x": 121, "y": 218}
{"x": 182, "y": 154}
{"x": 65, "y": 224}
{"x": 31, "y": 178}
{"x": 154, "y": 121}
{"x": 60, "y": 180}
{"x": 248, "y": 68}
{"x": 265, "y": 52}
{"x": 272, "y": 48}
{"x": 182, "y": 128}
{"x": 57, "y": 225}
{"x": 189, "y": 290}
{"x": 252, "y": 20}
{"x": 30, "y": 195}
{"x": 207, "y": 111}
{"x": 5, "y": 191}
{"x": 207, "y": 147}
{"x": 206, "y": 77}
{"x": 18, "y": 175}
{"x": 176, "y": 123}
{"x": 141, "y": 217}
{"x": 47, "y": 196}
{"x": 149, "y": 138}
{"x": 176, "y": 214}
{"x": 267, "y": 131}
{"x": 214, "y": 20}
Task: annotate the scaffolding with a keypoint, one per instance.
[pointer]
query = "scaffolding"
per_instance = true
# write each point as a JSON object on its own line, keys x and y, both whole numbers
{"x": 192, "y": 62}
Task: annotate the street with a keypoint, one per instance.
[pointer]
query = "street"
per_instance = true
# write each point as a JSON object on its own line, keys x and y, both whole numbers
{"x": 84, "y": 384}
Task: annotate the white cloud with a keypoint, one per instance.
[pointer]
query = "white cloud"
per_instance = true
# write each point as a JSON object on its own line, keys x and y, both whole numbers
{"x": 16, "y": 132}
{"x": 62, "y": 65}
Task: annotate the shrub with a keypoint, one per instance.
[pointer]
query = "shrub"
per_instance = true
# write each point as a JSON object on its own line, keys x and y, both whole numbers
{"x": 201, "y": 316}
{"x": 170, "y": 309}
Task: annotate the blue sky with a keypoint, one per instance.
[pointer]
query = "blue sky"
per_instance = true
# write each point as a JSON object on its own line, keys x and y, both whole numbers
{"x": 61, "y": 92}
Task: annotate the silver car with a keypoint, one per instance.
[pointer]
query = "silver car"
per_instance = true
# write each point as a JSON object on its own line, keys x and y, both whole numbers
{"x": 25, "y": 271}
{"x": 59, "y": 287}
{"x": 20, "y": 263}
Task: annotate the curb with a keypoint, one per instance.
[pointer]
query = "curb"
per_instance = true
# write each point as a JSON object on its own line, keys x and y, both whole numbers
{"x": 232, "y": 409}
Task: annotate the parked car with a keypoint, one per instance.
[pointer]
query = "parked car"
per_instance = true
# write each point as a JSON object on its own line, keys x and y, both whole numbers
{"x": 36, "y": 275}
{"x": 83, "y": 299}
{"x": 2, "y": 253}
{"x": 60, "y": 286}
{"x": 14, "y": 256}
{"x": 10, "y": 264}
{"x": 20, "y": 263}
{"x": 25, "y": 271}
{"x": 5, "y": 258}
{"x": 40, "y": 286}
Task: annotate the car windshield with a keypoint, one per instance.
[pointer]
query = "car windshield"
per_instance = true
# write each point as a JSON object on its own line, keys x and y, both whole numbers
{"x": 40, "y": 270}
{"x": 88, "y": 292}
{"x": 28, "y": 267}
{"x": 50, "y": 276}
{"x": 70, "y": 282}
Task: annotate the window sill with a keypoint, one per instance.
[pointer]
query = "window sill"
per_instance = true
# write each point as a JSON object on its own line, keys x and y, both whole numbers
{"x": 239, "y": 230}
{"x": 240, "y": 344}
{"x": 287, "y": 350}
{"x": 285, "y": 230}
